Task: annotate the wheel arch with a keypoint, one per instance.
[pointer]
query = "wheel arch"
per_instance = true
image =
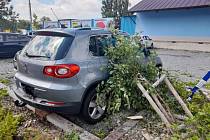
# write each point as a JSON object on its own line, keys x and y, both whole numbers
{"x": 91, "y": 86}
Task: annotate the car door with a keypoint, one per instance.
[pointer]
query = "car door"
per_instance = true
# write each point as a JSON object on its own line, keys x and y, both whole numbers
{"x": 97, "y": 46}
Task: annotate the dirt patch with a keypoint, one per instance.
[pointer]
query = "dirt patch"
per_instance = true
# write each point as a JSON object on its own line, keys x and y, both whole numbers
{"x": 104, "y": 127}
{"x": 150, "y": 127}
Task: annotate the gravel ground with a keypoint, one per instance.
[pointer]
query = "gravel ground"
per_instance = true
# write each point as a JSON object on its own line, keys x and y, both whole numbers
{"x": 103, "y": 128}
{"x": 148, "y": 128}
{"x": 6, "y": 68}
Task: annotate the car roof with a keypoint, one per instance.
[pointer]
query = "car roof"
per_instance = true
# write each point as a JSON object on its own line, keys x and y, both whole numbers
{"x": 74, "y": 31}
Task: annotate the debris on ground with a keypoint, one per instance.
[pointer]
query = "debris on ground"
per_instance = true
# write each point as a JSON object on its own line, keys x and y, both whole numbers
{"x": 135, "y": 117}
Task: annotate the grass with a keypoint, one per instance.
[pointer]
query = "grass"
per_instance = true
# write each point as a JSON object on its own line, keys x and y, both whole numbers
{"x": 198, "y": 126}
{"x": 4, "y": 81}
{"x": 72, "y": 136}
{"x": 100, "y": 133}
{"x": 3, "y": 93}
{"x": 8, "y": 122}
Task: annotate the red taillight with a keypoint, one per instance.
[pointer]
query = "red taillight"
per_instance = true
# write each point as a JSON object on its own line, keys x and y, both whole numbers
{"x": 55, "y": 103}
{"x": 61, "y": 71}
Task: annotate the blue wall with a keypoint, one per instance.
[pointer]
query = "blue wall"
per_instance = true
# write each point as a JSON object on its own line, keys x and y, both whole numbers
{"x": 128, "y": 24}
{"x": 182, "y": 23}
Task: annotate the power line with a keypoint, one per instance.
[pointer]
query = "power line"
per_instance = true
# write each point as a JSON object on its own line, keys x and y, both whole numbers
{"x": 54, "y": 13}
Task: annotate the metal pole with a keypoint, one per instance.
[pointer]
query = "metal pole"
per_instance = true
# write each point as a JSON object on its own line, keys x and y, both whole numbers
{"x": 29, "y": 1}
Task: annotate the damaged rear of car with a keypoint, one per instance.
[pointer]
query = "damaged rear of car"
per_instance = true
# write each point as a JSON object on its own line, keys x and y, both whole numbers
{"x": 41, "y": 81}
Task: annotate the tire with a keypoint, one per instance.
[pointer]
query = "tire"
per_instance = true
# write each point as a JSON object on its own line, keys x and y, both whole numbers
{"x": 88, "y": 110}
{"x": 158, "y": 62}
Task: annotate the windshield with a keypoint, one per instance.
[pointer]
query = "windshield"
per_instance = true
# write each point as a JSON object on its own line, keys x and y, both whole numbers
{"x": 44, "y": 46}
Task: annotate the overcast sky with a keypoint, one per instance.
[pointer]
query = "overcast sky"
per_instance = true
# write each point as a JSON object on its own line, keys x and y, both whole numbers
{"x": 80, "y": 9}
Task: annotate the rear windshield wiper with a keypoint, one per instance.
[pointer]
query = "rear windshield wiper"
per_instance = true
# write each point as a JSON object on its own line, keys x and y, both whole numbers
{"x": 29, "y": 55}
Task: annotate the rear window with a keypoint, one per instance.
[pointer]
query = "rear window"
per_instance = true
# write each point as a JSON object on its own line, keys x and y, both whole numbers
{"x": 52, "y": 47}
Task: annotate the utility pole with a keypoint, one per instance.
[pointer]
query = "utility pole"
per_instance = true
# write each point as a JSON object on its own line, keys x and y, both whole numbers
{"x": 29, "y": 2}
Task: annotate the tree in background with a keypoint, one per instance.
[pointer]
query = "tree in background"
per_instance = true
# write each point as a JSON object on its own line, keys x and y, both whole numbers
{"x": 107, "y": 8}
{"x": 115, "y": 9}
{"x": 6, "y": 10}
{"x": 8, "y": 18}
{"x": 23, "y": 24}
{"x": 44, "y": 18}
{"x": 36, "y": 23}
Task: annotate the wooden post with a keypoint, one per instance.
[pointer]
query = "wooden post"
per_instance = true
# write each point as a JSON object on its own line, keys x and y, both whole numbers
{"x": 159, "y": 81}
{"x": 162, "y": 108}
{"x": 178, "y": 98}
{"x": 155, "y": 107}
{"x": 167, "y": 108}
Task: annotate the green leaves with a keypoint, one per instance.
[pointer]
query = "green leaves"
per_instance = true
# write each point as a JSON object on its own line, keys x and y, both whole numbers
{"x": 8, "y": 124}
{"x": 72, "y": 136}
{"x": 114, "y": 8}
{"x": 3, "y": 92}
{"x": 197, "y": 127}
{"x": 126, "y": 60}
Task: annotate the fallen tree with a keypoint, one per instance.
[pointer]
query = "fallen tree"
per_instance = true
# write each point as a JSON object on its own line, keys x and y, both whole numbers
{"x": 126, "y": 61}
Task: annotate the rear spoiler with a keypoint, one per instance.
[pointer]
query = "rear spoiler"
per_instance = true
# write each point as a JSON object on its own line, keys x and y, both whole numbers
{"x": 53, "y": 33}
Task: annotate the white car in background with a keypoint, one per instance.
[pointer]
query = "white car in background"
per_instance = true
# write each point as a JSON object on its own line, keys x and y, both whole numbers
{"x": 147, "y": 42}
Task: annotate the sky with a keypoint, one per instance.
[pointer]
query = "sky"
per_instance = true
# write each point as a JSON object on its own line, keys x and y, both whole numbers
{"x": 64, "y": 9}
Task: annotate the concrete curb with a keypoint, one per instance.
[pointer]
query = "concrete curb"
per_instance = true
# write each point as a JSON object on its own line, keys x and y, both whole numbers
{"x": 121, "y": 130}
{"x": 194, "y": 47}
{"x": 59, "y": 121}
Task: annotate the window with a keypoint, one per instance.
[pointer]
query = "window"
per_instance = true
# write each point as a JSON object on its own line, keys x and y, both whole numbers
{"x": 52, "y": 47}
{"x": 144, "y": 38}
{"x": 11, "y": 37}
{"x": 99, "y": 43}
{"x": 23, "y": 37}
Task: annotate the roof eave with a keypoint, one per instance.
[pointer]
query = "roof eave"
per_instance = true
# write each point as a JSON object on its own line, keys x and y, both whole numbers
{"x": 202, "y": 6}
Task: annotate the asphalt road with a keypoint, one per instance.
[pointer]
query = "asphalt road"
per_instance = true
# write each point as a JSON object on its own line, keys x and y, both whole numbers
{"x": 185, "y": 63}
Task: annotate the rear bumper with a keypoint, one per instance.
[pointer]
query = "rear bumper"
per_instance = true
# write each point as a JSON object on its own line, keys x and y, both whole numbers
{"x": 67, "y": 108}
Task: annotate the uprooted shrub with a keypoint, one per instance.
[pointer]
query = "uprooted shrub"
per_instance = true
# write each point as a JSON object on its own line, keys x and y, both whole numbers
{"x": 125, "y": 61}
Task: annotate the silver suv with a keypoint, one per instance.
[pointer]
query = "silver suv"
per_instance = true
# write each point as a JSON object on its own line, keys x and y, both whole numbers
{"x": 59, "y": 69}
